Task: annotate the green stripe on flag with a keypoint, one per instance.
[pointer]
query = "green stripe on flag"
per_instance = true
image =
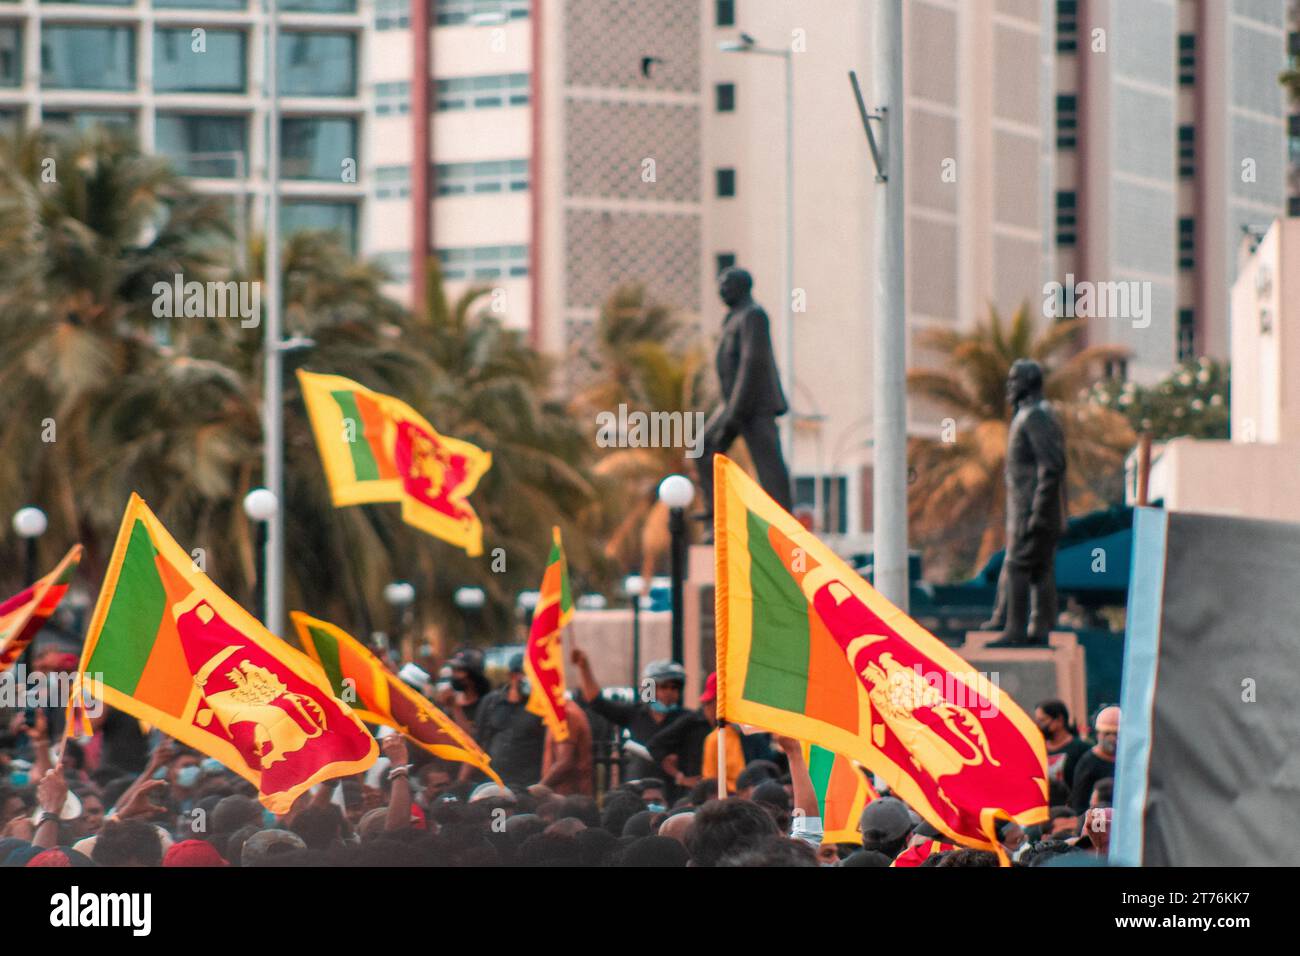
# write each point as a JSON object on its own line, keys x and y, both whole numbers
{"x": 780, "y": 645}
{"x": 327, "y": 649}
{"x": 131, "y": 625}
{"x": 363, "y": 460}
{"x": 820, "y": 764}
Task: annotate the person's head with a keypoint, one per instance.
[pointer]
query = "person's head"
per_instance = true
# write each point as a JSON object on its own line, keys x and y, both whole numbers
{"x": 653, "y": 851}
{"x": 734, "y": 285}
{"x": 128, "y": 843}
{"x": 184, "y": 771}
{"x": 320, "y": 827}
{"x": 667, "y": 678}
{"x": 867, "y": 858}
{"x": 1053, "y": 717}
{"x": 434, "y": 779}
{"x": 772, "y": 797}
{"x": 619, "y": 807}
{"x": 262, "y": 848}
{"x": 1107, "y": 730}
{"x": 582, "y": 808}
{"x": 1064, "y": 822}
{"x": 1011, "y": 835}
{"x": 192, "y": 853}
{"x": 968, "y": 857}
{"x": 727, "y": 826}
{"x": 885, "y": 825}
{"x": 772, "y": 851}
{"x": 516, "y": 675}
{"x": 467, "y": 674}
{"x": 1024, "y": 381}
{"x": 92, "y": 814}
{"x": 653, "y": 793}
{"x": 755, "y": 774}
{"x": 1103, "y": 794}
{"x": 678, "y": 826}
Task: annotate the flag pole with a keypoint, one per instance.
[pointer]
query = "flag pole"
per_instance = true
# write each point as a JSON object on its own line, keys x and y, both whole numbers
{"x": 722, "y": 759}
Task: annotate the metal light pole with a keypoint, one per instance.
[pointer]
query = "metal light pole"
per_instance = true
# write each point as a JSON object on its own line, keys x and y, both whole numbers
{"x": 29, "y": 524}
{"x": 677, "y": 492}
{"x": 634, "y": 586}
{"x": 273, "y": 385}
{"x": 261, "y": 506}
{"x": 747, "y": 44}
{"x": 400, "y": 595}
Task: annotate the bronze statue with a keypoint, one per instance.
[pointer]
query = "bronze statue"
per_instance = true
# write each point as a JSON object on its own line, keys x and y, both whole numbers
{"x": 1036, "y": 512}
{"x": 751, "y": 395}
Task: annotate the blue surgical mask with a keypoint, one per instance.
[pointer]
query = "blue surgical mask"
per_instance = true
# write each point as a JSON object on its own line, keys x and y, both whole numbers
{"x": 160, "y": 773}
{"x": 660, "y": 708}
{"x": 212, "y": 765}
{"x": 19, "y": 778}
{"x": 187, "y": 776}
{"x": 655, "y": 807}
{"x": 268, "y": 820}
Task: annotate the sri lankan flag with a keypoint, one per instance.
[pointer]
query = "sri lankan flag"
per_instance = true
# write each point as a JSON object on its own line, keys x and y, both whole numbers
{"x": 809, "y": 649}
{"x": 842, "y": 792}
{"x": 377, "y": 448}
{"x": 544, "y": 656}
{"x": 166, "y": 645}
{"x": 24, "y": 614}
{"x": 378, "y": 696}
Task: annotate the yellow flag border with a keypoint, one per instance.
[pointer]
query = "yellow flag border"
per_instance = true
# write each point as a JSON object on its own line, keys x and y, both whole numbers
{"x": 326, "y": 420}
{"x": 40, "y": 588}
{"x": 734, "y": 494}
{"x": 303, "y": 666}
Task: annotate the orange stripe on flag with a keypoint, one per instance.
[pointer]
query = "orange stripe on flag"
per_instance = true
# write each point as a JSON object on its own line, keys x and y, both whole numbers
{"x": 832, "y": 688}
{"x": 374, "y": 420}
{"x": 167, "y": 682}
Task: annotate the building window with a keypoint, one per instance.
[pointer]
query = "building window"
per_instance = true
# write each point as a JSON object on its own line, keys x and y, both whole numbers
{"x": 318, "y": 64}
{"x": 450, "y": 13}
{"x": 392, "y": 14}
{"x": 87, "y": 58}
{"x": 1293, "y": 206}
{"x": 1117, "y": 369}
{"x": 1186, "y": 151}
{"x": 201, "y": 4}
{"x": 82, "y": 120}
{"x": 11, "y": 122}
{"x": 1067, "y": 121}
{"x": 1067, "y": 201}
{"x": 494, "y": 176}
{"x": 319, "y": 6}
{"x": 393, "y": 99}
{"x": 484, "y": 262}
{"x": 1187, "y": 59}
{"x": 220, "y": 68}
{"x": 724, "y": 261}
{"x": 339, "y": 219}
{"x": 1186, "y": 243}
{"x": 392, "y": 182}
{"x": 834, "y": 518}
{"x": 726, "y": 182}
{"x": 724, "y": 13}
{"x": 315, "y": 147}
{"x": 203, "y": 145}
{"x": 95, "y": 3}
{"x": 397, "y": 265}
{"x": 724, "y": 95}
{"x": 481, "y": 92}
{"x": 1186, "y": 335}
{"x": 11, "y": 55}
{"x": 1067, "y": 26}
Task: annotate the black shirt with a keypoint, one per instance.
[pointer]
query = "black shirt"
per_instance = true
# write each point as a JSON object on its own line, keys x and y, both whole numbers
{"x": 684, "y": 737}
{"x": 639, "y": 719}
{"x": 1087, "y": 772}
{"x": 1062, "y": 761}
{"x": 512, "y": 737}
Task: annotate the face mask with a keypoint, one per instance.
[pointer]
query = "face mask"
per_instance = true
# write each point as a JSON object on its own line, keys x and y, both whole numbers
{"x": 160, "y": 773}
{"x": 660, "y": 708}
{"x": 457, "y": 684}
{"x": 525, "y": 688}
{"x": 655, "y": 807}
{"x": 19, "y": 778}
{"x": 1108, "y": 747}
{"x": 187, "y": 776}
{"x": 212, "y": 765}
{"x": 268, "y": 819}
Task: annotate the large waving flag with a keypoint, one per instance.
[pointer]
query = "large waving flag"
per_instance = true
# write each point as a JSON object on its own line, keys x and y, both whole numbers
{"x": 544, "y": 656}
{"x": 378, "y": 696}
{"x": 24, "y": 614}
{"x": 166, "y": 645}
{"x": 809, "y": 649}
{"x": 377, "y": 448}
{"x": 842, "y": 792}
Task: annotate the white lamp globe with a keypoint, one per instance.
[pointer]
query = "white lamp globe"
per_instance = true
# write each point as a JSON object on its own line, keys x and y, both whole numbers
{"x": 30, "y": 522}
{"x": 260, "y": 504}
{"x": 399, "y": 593}
{"x": 676, "y": 491}
{"x": 469, "y": 598}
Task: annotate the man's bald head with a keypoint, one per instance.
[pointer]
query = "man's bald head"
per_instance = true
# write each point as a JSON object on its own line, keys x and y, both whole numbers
{"x": 677, "y": 827}
{"x": 1108, "y": 720}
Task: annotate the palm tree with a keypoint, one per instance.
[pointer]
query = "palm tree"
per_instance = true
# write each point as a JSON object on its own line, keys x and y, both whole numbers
{"x": 644, "y": 361}
{"x": 957, "y": 502}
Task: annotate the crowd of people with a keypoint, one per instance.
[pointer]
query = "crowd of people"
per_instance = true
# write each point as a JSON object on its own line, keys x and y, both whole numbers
{"x": 129, "y": 796}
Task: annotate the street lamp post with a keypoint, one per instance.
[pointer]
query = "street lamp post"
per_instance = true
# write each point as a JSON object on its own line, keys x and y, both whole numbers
{"x": 747, "y": 44}
{"x": 400, "y": 596}
{"x": 470, "y": 601}
{"x": 30, "y": 523}
{"x": 261, "y": 506}
{"x": 634, "y": 587}
{"x": 677, "y": 492}
{"x": 272, "y": 359}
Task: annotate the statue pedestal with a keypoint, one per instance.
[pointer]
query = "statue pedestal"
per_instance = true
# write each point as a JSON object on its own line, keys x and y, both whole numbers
{"x": 1030, "y": 675}
{"x": 697, "y": 623}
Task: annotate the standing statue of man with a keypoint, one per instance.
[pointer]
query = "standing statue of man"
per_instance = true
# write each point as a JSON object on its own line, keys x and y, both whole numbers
{"x": 1036, "y": 511}
{"x": 751, "y": 395}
